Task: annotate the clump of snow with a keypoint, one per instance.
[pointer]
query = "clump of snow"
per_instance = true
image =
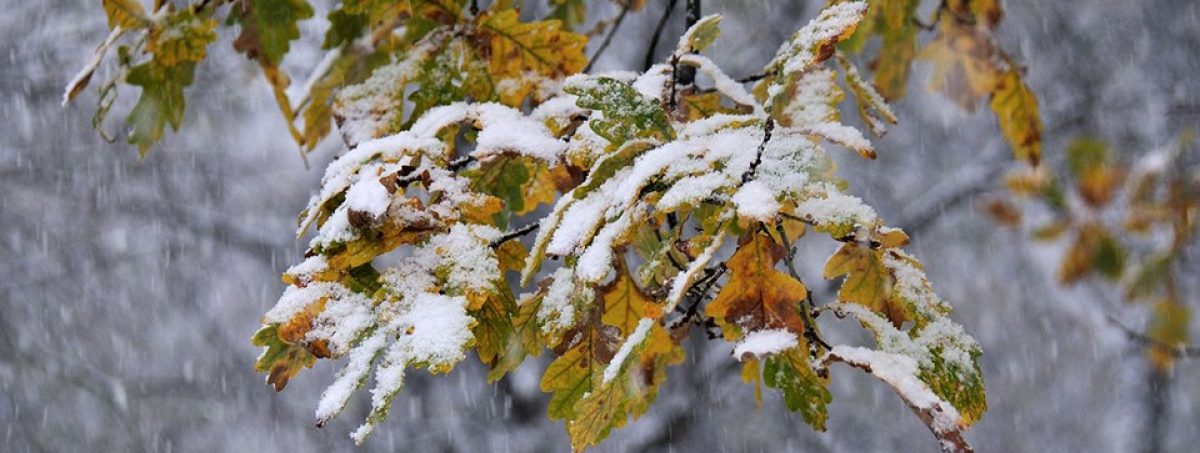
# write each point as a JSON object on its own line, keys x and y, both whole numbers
{"x": 635, "y": 339}
{"x": 814, "y": 100}
{"x": 580, "y": 220}
{"x": 835, "y": 21}
{"x": 435, "y": 329}
{"x": 305, "y": 270}
{"x": 901, "y": 373}
{"x": 762, "y": 343}
{"x": 691, "y": 189}
{"x": 792, "y": 163}
{"x": 296, "y": 299}
{"x": 337, "y": 228}
{"x": 843, "y": 135}
{"x": 506, "y": 129}
{"x": 724, "y": 84}
{"x": 755, "y": 201}
{"x": 368, "y": 196}
{"x": 345, "y": 316}
{"x": 466, "y": 253}
{"x": 653, "y": 83}
{"x": 596, "y": 260}
{"x": 713, "y": 124}
{"x": 836, "y": 209}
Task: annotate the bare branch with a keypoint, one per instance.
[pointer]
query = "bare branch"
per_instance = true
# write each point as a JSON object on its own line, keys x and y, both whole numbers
{"x": 607, "y": 38}
{"x": 658, "y": 31}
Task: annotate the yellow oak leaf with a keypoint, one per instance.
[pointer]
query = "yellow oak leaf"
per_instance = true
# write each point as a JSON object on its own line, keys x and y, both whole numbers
{"x": 624, "y": 303}
{"x": 626, "y": 396}
{"x": 757, "y": 296}
{"x": 868, "y": 282}
{"x": 515, "y": 47}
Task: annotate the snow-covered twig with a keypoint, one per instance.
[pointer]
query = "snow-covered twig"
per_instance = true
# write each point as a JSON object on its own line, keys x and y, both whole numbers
{"x": 81, "y": 78}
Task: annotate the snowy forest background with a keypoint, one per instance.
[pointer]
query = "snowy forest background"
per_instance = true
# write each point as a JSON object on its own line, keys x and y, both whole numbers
{"x": 129, "y": 289}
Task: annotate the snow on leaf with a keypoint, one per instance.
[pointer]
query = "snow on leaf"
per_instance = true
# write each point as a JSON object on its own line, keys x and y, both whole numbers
{"x": 700, "y": 35}
{"x": 872, "y": 106}
{"x": 627, "y": 114}
{"x": 868, "y": 282}
{"x": 629, "y": 392}
{"x": 836, "y": 213}
{"x": 371, "y": 109}
{"x": 433, "y": 332}
{"x": 724, "y": 84}
{"x": 762, "y": 343}
{"x": 804, "y": 390}
{"x": 755, "y": 201}
{"x": 813, "y": 44}
{"x": 900, "y": 373}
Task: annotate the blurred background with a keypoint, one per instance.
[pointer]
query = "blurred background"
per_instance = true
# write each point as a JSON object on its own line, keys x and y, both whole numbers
{"x": 129, "y": 288}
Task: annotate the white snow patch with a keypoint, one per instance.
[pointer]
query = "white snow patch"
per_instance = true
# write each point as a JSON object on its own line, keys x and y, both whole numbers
{"x": 368, "y": 196}
{"x": 762, "y": 343}
{"x": 755, "y": 201}
{"x": 635, "y": 338}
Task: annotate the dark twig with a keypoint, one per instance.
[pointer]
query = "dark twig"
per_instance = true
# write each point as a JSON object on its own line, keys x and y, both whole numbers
{"x": 1179, "y": 351}
{"x": 807, "y": 306}
{"x": 658, "y": 31}
{"x": 752, "y": 78}
{"x": 514, "y": 234}
{"x": 767, "y": 129}
{"x": 607, "y": 38}
{"x": 687, "y": 74}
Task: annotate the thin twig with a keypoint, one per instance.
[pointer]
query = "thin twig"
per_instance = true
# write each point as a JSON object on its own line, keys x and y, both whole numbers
{"x": 767, "y": 129}
{"x": 658, "y": 31}
{"x": 1179, "y": 351}
{"x": 687, "y": 74}
{"x": 514, "y": 234}
{"x": 607, "y": 38}
{"x": 752, "y": 78}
